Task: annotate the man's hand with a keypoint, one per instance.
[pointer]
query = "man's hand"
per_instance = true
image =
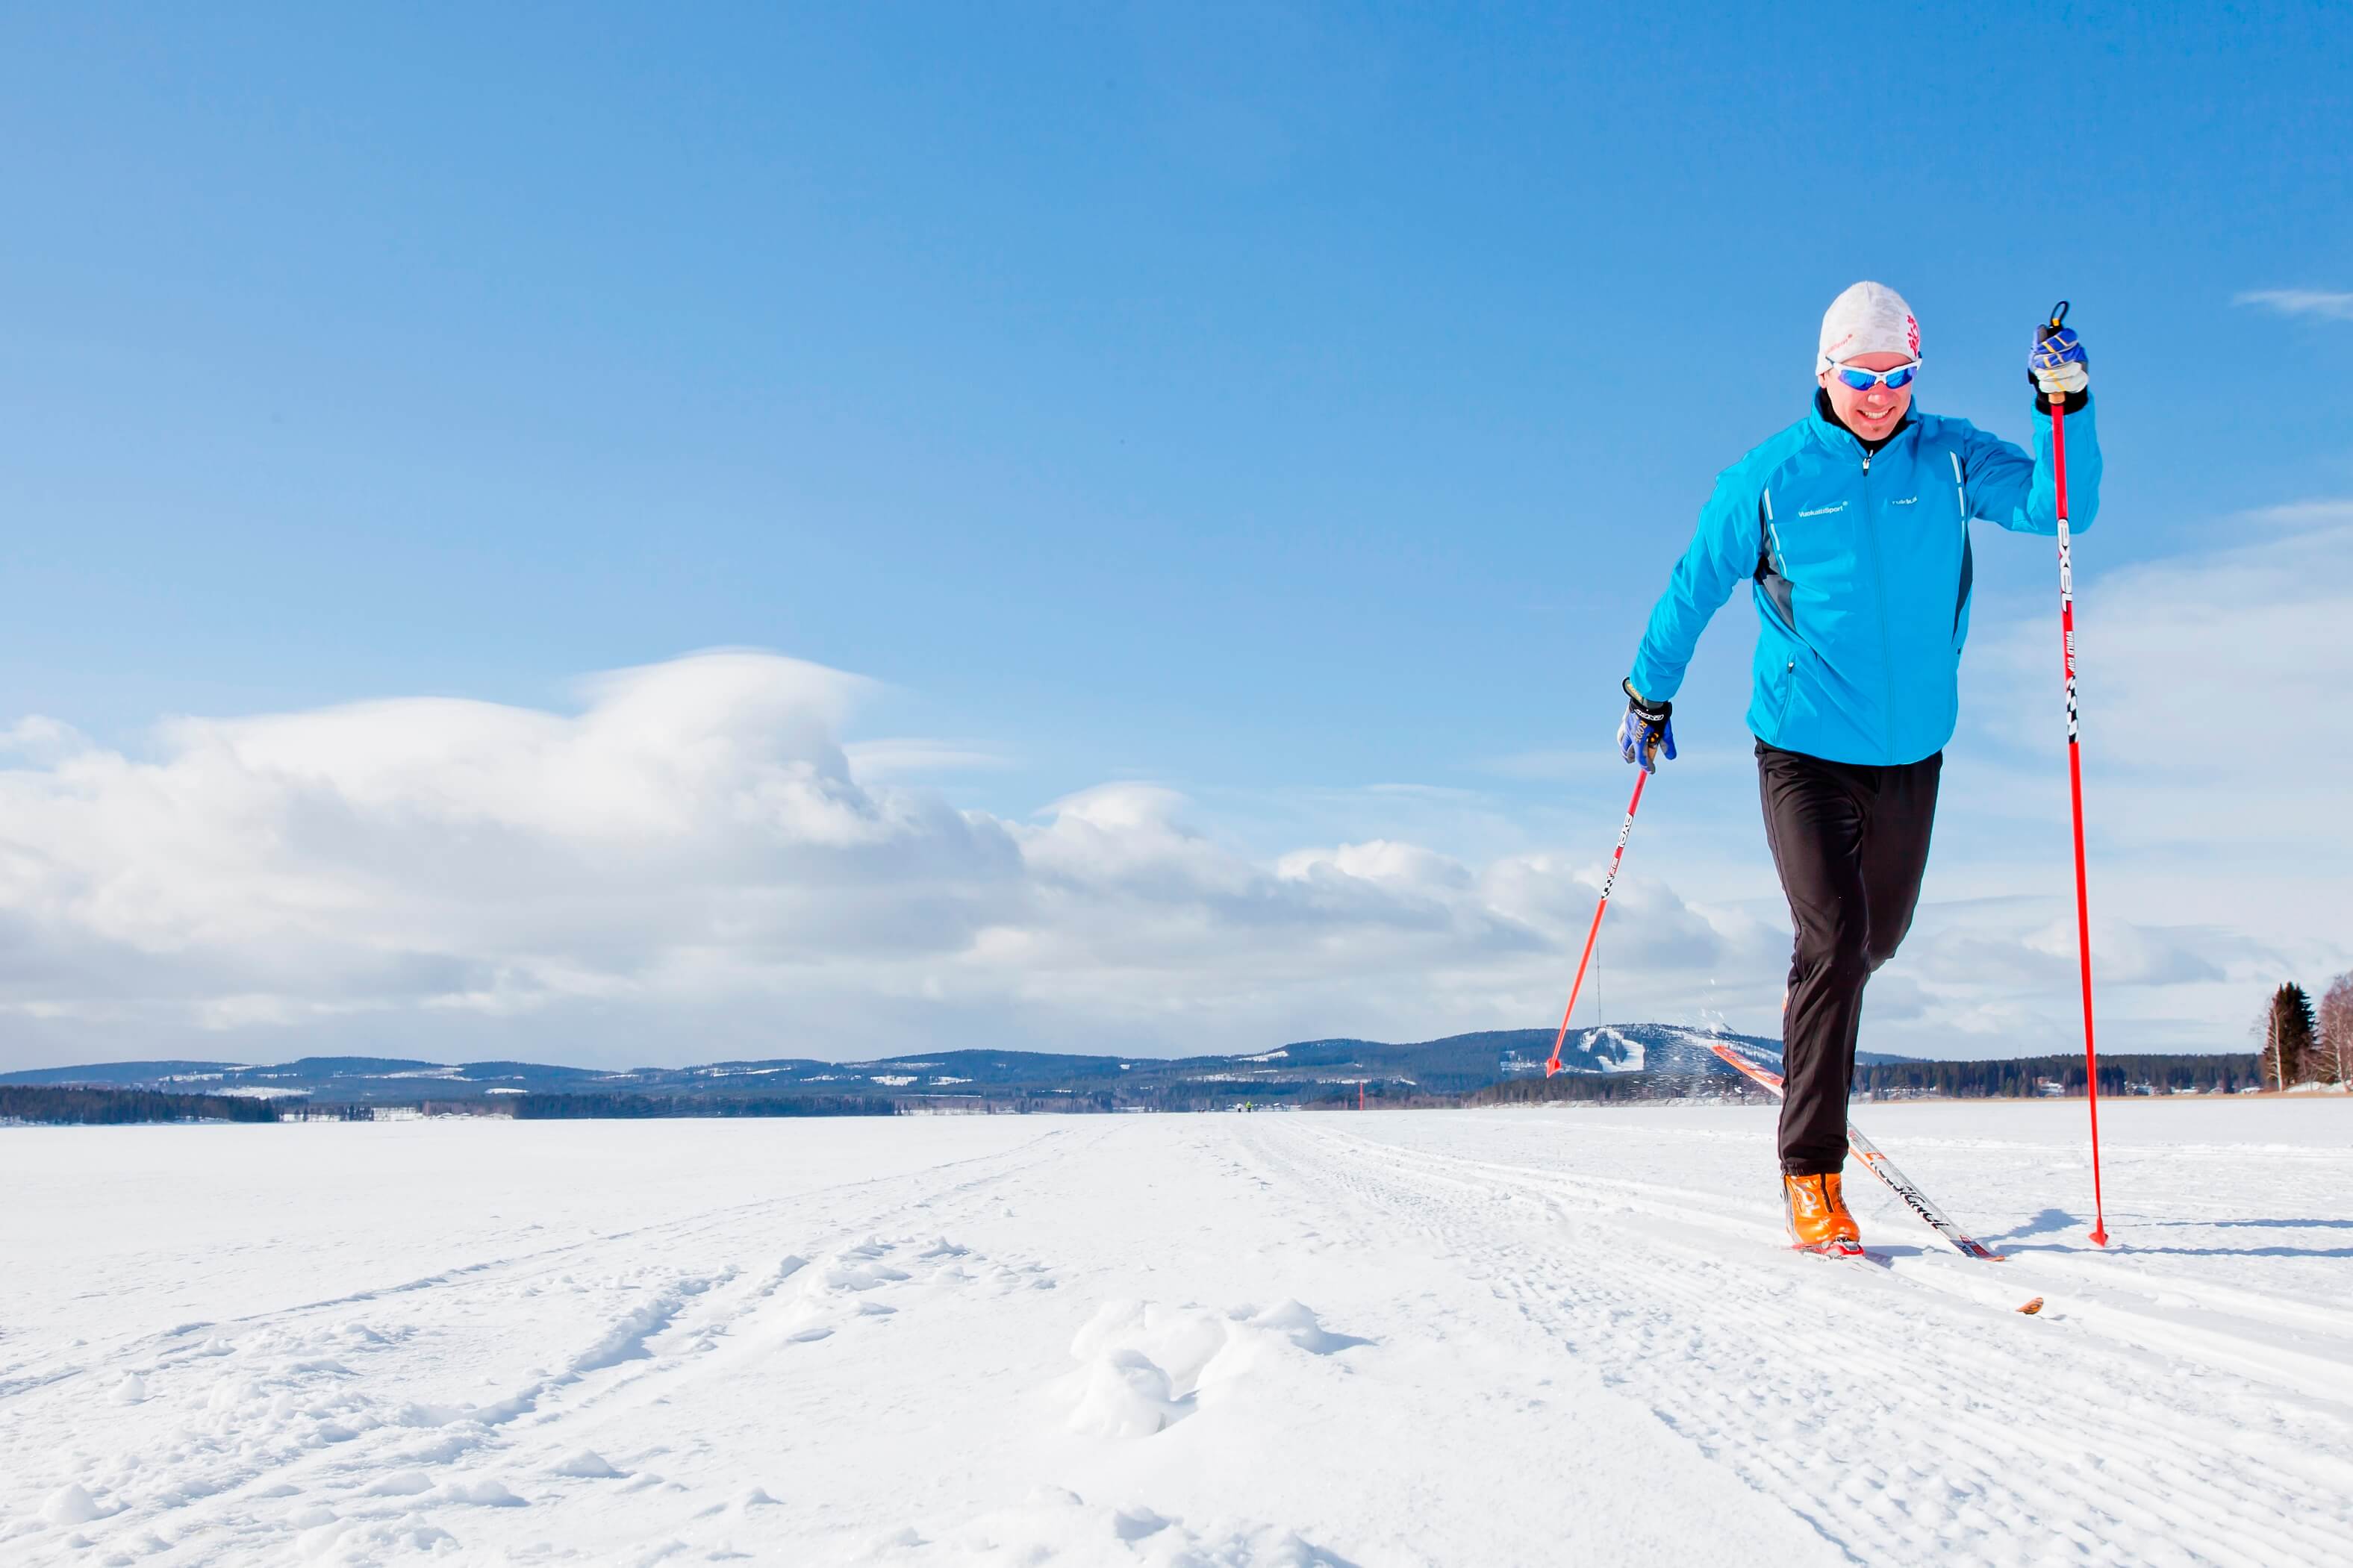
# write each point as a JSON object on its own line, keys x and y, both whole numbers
{"x": 2058, "y": 366}
{"x": 1646, "y": 730}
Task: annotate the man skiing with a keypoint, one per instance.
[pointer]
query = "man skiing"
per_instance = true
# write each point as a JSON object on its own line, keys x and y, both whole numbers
{"x": 1852, "y": 526}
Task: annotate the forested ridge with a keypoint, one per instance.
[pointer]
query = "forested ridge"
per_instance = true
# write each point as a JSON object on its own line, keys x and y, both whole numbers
{"x": 27, "y": 1102}
{"x": 561, "y": 1107}
{"x": 2025, "y": 1076}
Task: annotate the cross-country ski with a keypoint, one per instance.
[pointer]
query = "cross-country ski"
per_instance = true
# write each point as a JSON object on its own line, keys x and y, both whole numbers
{"x": 1877, "y": 1163}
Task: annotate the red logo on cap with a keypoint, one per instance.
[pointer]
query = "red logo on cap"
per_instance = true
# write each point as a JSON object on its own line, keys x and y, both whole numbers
{"x": 1912, "y": 335}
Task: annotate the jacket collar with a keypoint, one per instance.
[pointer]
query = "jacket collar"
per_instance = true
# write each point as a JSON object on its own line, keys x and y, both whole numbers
{"x": 1830, "y": 433}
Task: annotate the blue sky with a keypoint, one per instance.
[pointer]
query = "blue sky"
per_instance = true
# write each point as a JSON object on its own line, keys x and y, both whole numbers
{"x": 1293, "y": 411}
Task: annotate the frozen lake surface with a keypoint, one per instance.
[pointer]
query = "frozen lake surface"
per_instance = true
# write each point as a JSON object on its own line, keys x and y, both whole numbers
{"x": 1479, "y": 1337}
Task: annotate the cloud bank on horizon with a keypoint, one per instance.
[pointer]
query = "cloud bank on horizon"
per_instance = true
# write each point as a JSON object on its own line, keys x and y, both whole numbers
{"x": 693, "y": 865}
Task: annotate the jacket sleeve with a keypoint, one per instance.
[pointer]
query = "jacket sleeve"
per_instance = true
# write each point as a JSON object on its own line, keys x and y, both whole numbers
{"x": 2002, "y": 484}
{"x": 1724, "y": 552}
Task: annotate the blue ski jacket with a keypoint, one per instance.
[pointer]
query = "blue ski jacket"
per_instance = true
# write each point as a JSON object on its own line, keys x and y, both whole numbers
{"x": 1861, "y": 569}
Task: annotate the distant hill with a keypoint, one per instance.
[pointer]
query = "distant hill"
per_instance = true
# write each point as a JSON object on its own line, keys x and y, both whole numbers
{"x": 1304, "y": 1071}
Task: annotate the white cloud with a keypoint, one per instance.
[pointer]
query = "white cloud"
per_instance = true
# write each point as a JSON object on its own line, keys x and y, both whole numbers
{"x": 914, "y": 756}
{"x": 427, "y": 854}
{"x": 2313, "y": 302}
{"x": 691, "y": 865}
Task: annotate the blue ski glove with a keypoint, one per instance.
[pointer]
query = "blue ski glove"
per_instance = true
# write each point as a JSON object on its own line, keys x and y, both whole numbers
{"x": 1646, "y": 730}
{"x": 2057, "y": 367}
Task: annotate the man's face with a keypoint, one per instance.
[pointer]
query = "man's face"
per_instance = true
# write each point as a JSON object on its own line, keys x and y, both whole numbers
{"x": 1873, "y": 413}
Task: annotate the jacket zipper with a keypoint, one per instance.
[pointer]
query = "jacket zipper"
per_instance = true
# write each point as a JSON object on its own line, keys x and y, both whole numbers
{"x": 1879, "y": 582}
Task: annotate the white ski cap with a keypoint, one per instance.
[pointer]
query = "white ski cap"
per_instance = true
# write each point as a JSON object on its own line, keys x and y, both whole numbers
{"x": 1868, "y": 319}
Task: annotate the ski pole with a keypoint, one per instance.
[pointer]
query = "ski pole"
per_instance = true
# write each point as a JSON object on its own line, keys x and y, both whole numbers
{"x": 2075, "y": 783}
{"x": 1553, "y": 1066}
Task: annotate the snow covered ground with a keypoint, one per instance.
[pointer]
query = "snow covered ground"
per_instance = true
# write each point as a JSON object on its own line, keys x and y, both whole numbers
{"x": 1536, "y": 1336}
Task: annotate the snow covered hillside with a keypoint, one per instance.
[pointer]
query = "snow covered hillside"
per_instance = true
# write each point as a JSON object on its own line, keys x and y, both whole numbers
{"x": 1536, "y": 1336}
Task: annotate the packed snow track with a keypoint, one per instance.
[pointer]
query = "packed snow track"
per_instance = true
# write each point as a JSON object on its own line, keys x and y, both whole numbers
{"x": 1533, "y": 1336}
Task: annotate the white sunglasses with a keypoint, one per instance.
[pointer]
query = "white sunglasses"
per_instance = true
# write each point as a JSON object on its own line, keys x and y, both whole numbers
{"x": 1864, "y": 380}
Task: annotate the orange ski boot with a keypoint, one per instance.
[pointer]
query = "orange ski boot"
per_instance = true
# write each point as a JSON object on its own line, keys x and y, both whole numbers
{"x": 1818, "y": 1220}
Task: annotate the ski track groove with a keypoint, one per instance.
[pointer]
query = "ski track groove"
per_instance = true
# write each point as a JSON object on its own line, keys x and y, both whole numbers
{"x": 1668, "y": 1296}
{"x": 1989, "y": 1443}
{"x": 159, "y": 1343}
{"x": 528, "y": 1430}
{"x": 2094, "y": 1290}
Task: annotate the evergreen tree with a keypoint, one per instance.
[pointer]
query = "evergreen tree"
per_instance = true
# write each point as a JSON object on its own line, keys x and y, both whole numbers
{"x": 2286, "y": 1029}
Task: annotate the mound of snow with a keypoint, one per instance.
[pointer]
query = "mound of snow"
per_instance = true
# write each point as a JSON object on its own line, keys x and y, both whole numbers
{"x": 1297, "y": 1322}
{"x": 1124, "y": 1393}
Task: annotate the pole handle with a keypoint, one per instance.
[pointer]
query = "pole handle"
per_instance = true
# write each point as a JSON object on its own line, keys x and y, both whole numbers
{"x": 2042, "y": 334}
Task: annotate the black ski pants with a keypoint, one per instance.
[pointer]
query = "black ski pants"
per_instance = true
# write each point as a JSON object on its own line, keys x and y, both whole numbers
{"x": 1851, "y": 842}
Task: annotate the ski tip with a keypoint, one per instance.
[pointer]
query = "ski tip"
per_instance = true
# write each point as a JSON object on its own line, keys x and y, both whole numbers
{"x": 2099, "y": 1238}
{"x": 2031, "y": 1308}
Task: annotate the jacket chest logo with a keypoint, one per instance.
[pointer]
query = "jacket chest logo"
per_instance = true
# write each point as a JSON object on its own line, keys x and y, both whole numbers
{"x": 1824, "y": 510}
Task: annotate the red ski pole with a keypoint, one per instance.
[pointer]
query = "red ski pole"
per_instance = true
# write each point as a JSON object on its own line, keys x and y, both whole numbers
{"x": 1607, "y": 883}
{"x": 2075, "y": 785}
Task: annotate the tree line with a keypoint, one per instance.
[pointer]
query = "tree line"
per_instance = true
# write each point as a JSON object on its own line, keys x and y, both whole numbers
{"x": 2016, "y": 1078}
{"x": 1613, "y": 1089}
{"x": 2299, "y": 1043}
{"x": 2023, "y": 1078}
{"x": 75, "y": 1105}
{"x": 568, "y": 1106}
